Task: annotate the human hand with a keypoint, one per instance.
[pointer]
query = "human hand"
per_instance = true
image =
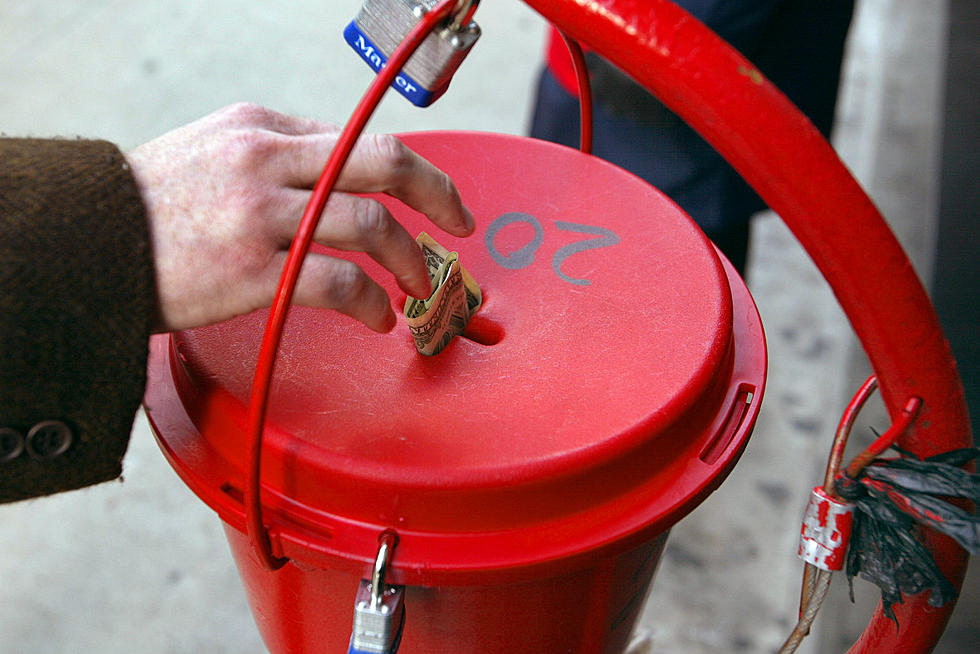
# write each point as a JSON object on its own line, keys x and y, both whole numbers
{"x": 225, "y": 194}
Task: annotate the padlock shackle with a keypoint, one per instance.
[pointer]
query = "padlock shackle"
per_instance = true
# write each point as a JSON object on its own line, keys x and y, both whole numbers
{"x": 779, "y": 152}
{"x": 462, "y": 14}
{"x": 386, "y": 546}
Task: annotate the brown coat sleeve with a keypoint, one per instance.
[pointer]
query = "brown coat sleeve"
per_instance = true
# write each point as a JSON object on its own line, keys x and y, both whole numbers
{"x": 76, "y": 304}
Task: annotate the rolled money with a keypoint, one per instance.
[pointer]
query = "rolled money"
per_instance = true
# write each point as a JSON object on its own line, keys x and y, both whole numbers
{"x": 415, "y": 307}
{"x": 435, "y": 254}
{"x": 436, "y": 320}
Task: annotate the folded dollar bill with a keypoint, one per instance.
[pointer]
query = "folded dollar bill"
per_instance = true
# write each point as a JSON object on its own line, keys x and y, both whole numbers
{"x": 437, "y": 319}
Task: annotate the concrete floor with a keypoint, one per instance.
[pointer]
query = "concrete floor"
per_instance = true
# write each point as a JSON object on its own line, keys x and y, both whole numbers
{"x": 142, "y": 566}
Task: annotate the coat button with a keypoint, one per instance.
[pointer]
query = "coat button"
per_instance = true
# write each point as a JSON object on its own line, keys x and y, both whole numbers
{"x": 48, "y": 439}
{"x": 11, "y": 444}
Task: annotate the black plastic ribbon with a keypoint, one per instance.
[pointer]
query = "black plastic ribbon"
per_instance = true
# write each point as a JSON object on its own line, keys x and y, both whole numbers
{"x": 892, "y": 498}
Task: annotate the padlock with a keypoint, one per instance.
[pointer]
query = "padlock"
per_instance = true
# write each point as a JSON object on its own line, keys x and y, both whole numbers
{"x": 379, "y": 609}
{"x": 381, "y": 25}
{"x": 378, "y": 619}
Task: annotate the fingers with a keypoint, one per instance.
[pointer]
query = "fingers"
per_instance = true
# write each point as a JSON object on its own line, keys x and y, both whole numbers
{"x": 379, "y": 164}
{"x": 382, "y": 163}
{"x": 297, "y": 149}
{"x": 329, "y": 283}
{"x": 281, "y": 157}
{"x": 360, "y": 224}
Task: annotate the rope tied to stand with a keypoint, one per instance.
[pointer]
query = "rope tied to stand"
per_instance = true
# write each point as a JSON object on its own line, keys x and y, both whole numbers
{"x": 891, "y": 499}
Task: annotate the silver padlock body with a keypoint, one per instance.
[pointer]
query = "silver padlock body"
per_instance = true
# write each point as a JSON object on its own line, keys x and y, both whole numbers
{"x": 376, "y": 627}
{"x": 387, "y": 22}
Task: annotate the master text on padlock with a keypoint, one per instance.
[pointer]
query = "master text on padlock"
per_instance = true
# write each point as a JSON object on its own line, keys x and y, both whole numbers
{"x": 377, "y": 60}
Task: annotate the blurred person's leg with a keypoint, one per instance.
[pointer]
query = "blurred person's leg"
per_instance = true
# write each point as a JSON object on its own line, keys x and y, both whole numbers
{"x": 798, "y": 44}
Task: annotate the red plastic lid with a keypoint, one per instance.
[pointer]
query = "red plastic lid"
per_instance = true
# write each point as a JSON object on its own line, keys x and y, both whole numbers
{"x": 608, "y": 382}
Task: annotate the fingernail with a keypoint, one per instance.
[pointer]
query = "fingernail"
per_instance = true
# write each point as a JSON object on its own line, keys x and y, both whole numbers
{"x": 422, "y": 285}
{"x": 390, "y": 321}
{"x": 423, "y": 289}
{"x": 468, "y": 222}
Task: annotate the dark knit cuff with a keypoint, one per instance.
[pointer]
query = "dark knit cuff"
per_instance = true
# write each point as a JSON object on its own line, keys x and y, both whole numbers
{"x": 76, "y": 305}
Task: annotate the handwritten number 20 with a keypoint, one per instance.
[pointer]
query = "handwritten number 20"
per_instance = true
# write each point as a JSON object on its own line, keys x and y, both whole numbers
{"x": 524, "y": 256}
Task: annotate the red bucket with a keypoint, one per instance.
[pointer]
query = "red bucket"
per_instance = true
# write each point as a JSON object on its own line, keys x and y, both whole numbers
{"x": 532, "y": 470}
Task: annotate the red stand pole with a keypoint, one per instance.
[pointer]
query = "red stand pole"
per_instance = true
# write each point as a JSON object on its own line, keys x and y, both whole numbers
{"x": 793, "y": 168}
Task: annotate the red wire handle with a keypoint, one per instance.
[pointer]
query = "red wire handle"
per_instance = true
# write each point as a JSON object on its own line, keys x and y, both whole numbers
{"x": 847, "y": 420}
{"x": 264, "y": 368}
{"x": 886, "y": 440}
{"x": 784, "y": 158}
{"x": 584, "y": 91}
